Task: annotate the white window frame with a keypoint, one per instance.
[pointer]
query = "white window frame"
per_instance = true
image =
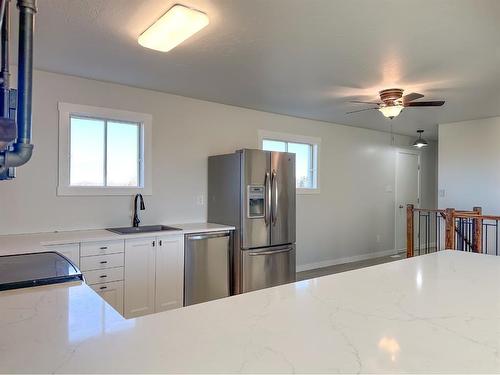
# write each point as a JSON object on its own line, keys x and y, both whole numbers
{"x": 295, "y": 138}
{"x": 66, "y": 110}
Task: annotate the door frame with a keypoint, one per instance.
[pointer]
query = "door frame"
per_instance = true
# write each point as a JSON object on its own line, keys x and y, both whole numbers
{"x": 419, "y": 189}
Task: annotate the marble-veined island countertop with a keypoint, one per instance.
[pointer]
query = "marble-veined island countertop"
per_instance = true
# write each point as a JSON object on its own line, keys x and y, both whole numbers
{"x": 429, "y": 314}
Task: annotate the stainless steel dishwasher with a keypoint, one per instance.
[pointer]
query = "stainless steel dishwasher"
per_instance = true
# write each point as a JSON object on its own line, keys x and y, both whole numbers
{"x": 206, "y": 267}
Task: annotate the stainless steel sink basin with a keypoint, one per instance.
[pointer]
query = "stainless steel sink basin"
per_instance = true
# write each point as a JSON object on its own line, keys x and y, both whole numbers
{"x": 142, "y": 229}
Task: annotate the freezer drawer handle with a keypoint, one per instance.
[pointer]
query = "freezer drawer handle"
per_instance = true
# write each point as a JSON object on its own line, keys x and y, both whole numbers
{"x": 271, "y": 252}
{"x": 207, "y": 236}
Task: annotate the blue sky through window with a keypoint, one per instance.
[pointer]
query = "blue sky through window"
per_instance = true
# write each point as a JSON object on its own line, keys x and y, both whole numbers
{"x": 104, "y": 153}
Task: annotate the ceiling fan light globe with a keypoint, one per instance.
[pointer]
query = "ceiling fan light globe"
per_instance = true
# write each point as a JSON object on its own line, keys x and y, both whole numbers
{"x": 391, "y": 111}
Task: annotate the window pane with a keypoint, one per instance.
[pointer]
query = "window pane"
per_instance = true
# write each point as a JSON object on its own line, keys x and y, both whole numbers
{"x": 303, "y": 164}
{"x": 122, "y": 154}
{"x": 270, "y": 145}
{"x": 86, "y": 152}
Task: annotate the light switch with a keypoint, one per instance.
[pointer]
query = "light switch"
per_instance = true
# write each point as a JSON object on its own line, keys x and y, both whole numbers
{"x": 388, "y": 188}
{"x": 441, "y": 193}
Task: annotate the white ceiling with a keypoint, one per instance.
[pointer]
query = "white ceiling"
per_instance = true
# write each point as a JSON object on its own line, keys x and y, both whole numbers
{"x": 295, "y": 57}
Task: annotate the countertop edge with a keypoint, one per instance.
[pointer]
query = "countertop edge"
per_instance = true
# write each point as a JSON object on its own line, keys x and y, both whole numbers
{"x": 38, "y": 242}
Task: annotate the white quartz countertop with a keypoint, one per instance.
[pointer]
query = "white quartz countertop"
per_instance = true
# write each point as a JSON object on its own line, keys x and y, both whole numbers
{"x": 429, "y": 314}
{"x": 35, "y": 242}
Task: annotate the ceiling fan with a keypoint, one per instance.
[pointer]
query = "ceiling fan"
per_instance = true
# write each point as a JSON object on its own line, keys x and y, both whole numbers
{"x": 392, "y": 102}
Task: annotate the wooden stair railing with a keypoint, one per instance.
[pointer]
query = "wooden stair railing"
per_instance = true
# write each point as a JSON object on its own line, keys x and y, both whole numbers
{"x": 475, "y": 219}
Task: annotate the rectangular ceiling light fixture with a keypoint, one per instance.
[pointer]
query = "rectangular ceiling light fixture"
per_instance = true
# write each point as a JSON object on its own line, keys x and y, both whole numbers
{"x": 174, "y": 27}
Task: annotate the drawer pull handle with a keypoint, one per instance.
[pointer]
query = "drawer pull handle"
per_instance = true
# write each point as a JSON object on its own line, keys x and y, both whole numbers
{"x": 103, "y": 247}
{"x": 103, "y": 261}
{"x": 103, "y": 276}
{"x": 103, "y": 287}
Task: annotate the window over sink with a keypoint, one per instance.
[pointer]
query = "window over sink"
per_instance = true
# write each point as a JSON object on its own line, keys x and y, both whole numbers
{"x": 306, "y": 150}
{"x": 103, "y": 151}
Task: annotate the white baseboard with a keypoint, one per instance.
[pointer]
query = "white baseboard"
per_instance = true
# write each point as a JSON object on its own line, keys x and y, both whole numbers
{"x": 355, "y": 258}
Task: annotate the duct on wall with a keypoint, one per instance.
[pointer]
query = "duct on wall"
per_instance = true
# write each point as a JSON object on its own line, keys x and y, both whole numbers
{"x": 21, "y": 150}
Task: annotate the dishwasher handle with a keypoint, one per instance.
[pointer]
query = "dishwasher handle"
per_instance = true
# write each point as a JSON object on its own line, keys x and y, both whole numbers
{"x": 206, "y": 236}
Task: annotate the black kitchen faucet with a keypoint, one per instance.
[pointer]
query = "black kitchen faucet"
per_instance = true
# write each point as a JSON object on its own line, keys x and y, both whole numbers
{"x": 136, "y": 220}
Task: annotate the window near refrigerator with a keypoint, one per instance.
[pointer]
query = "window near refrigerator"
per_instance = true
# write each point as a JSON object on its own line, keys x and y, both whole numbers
{"x": 102, "y": 152}
{"x": 306, "y": 160}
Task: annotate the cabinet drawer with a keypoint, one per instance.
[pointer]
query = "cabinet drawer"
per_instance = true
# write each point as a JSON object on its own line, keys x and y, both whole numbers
{"x": 103, "y": 276}
{"x": 100, "y": 262}
{"x": 112, "y": 293}
{"x": 101, "y": 248}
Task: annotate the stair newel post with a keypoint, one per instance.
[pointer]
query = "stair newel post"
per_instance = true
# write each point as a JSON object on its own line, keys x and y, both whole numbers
{"x": 477, "y": 238}
{"x": 449, "y": 242}
{"x": 410, "y": 230}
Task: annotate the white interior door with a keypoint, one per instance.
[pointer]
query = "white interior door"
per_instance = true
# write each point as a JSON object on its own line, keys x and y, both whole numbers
{"x": 407, "y": 191}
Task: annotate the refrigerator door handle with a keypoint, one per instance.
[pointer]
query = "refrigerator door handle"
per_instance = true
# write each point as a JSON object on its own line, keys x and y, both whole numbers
{"x": 274, "y": 209}
{"x": 267, "y": 208}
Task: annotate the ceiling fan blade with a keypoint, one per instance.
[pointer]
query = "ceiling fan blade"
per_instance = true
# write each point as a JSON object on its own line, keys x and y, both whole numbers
{"x": 360, "y": 110}
{"x": 436, "y": 103}
{"x": 362, "y": 102}
{"x": 412, "y": 96}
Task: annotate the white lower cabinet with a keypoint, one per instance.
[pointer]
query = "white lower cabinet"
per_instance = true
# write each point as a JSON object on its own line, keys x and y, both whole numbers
{"x": 139, "y": 277}
{"x": 112, "y": 293}
{"x": 70, "y": 251}
{"x": 154, "y": 273}
{"x": 144, "y": 276}
{"x": 169, "y": 273}
{"x": 102, "y": 266}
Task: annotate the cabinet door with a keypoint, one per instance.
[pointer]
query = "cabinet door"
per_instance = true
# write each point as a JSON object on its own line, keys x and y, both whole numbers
{"x": 139, "y": 277}
{"x": 169, "y": 273}
{"x": 112, "y": 293}
{"x": 70, "y": 251}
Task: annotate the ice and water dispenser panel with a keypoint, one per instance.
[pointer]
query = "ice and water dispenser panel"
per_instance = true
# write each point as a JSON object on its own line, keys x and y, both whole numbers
{"x": 256, "y": 200}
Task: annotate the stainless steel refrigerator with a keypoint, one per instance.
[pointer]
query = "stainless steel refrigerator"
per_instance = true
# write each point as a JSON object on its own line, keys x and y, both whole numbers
{"x": 254, "y": 191}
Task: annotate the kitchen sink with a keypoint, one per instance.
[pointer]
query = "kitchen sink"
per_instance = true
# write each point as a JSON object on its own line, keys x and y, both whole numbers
{"x": 142, "y": 229}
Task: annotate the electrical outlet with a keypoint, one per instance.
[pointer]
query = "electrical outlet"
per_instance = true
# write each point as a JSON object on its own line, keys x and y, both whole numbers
{"x": 378, "y": 238}
{"x": 441, "y": 193}
{"x": 200, "y": 201}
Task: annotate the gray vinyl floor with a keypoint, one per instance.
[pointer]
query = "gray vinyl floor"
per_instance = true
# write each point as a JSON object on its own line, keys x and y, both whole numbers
{"x": 311, "y": 274}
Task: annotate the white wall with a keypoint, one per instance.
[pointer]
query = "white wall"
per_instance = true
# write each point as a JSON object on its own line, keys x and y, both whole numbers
{"x": 469, "y": 165}
{"x": 342, "y": 221}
